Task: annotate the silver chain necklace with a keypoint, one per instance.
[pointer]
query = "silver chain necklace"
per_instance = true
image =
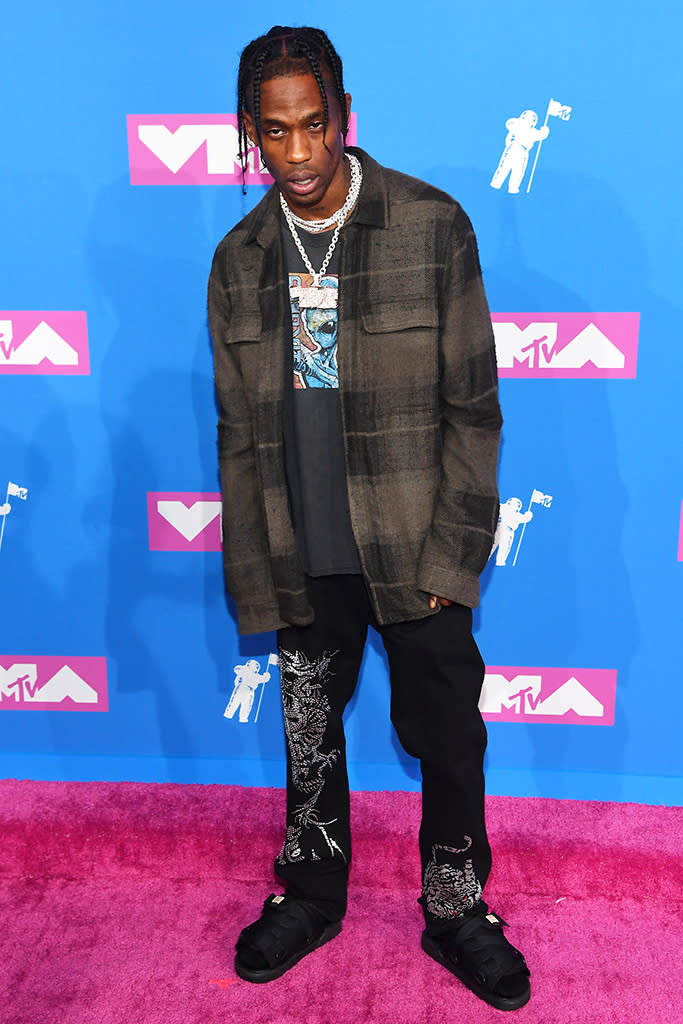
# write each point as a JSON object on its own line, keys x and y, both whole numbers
{"x": 321, "y": 225}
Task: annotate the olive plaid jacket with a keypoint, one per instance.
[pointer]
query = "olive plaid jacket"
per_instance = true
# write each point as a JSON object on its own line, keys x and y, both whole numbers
{"x": 418, "y": 390}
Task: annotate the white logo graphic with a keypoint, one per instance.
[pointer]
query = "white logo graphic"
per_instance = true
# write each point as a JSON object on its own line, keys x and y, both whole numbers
{"x": 522, "y": 135}
{"x": 42, "y": 343}
{"x": 536, "y": 345}
{"x": 19, "y": 682}
{"x": 248, "y": 678}
{"x": 511, "y": 516}
{"x": 189, "y": 521}
{"x": 13, "y": 491}
{"x": 174, "y": 148}
{"x": 521, "y": 695}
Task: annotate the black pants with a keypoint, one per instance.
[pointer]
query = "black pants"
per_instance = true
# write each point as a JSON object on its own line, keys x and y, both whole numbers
{"x": 436, "y": 678}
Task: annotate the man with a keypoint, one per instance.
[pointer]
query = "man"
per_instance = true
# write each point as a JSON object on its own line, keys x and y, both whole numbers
{"x": 358, "y": 436}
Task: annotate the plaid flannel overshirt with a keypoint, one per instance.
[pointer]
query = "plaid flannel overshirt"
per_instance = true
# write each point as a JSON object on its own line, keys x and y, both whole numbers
{"x": 418, "y": 389}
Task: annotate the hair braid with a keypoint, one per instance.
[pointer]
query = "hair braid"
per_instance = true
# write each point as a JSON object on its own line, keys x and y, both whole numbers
{"x": 283, "y": 46}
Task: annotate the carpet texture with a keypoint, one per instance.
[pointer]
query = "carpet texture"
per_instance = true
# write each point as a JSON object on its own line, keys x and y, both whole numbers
{"x": 120, "y": 904}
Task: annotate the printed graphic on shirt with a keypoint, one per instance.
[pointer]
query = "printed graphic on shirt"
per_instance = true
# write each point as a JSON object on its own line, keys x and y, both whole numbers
{"x": 314, "y": 330}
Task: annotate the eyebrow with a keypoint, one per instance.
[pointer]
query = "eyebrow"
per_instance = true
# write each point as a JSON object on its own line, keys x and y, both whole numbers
{"x": 316, "y": 115}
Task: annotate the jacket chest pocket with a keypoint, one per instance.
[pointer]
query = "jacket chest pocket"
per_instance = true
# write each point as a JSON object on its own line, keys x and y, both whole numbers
{"x": 396, "y": 317}
{"x": 244, "y": 327}
{"x": 400, "y": 353}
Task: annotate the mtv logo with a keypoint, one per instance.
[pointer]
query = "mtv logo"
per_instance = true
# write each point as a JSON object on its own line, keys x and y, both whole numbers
{"x": 50, "y": 342}
{"x": 53, "y": 684}
{"x": 570, "y": 696}
{"x": 569, "y": 345}
{"x": 184, "y": 521}
{"x": 192, "y": 149}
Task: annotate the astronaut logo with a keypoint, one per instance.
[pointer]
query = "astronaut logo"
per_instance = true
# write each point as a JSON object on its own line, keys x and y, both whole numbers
{"x": 509, "y": 519}
{"x": 248, "y": 679}
{"x": 522, "y": 136}
{"x": 13, "y": 491}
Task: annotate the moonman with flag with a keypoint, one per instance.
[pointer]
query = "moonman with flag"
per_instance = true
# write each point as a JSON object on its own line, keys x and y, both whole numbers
{"x": 522, "y": 134}
{"x": 13, "y": 491}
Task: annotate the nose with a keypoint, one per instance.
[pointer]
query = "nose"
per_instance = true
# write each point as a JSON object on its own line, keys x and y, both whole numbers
{"x": 298, "y": 147}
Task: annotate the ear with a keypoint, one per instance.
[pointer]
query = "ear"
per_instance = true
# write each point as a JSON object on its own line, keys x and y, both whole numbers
{"x": 249, "y": 125}
{"x": 347, "y": 97}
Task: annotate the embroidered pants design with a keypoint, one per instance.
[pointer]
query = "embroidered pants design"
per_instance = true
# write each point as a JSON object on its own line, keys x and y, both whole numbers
{"x": 436, "y": 674}
{"x": 305, "y": 707}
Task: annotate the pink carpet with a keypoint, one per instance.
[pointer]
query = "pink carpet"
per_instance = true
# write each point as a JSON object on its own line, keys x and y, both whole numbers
{"x": 120, "y": 904}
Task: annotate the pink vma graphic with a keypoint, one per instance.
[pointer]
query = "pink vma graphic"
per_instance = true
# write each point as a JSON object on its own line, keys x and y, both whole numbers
{"x": 44, "y": 342}
{"x": 53, "y": 684}
{"x": 578, "y": 345}
{"x": 184, "y": 521}
{"x": 192, "y": 149}
{"x": 572, "y": 696}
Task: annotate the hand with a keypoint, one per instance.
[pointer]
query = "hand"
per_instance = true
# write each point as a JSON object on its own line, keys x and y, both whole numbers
{"x": 443, "y": 601}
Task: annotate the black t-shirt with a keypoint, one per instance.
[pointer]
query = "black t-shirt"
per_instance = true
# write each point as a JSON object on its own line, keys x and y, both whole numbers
{"x": 314, "y": 447}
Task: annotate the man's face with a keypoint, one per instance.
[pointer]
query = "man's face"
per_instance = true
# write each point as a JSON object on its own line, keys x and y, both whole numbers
{"x": 313, "y": 179}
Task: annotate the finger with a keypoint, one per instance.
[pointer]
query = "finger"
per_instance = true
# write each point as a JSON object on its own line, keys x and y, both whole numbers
{"x": 432, "y": 601}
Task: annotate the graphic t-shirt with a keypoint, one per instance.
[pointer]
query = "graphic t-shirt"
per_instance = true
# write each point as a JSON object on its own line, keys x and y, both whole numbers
{"x": 314, "y": 447}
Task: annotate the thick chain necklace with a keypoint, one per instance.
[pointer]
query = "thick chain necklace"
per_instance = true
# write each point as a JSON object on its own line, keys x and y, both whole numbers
{"x": 337, "y": 218}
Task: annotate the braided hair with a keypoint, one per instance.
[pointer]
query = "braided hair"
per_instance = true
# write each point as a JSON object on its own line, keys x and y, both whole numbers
{"x": 285, "y": 51}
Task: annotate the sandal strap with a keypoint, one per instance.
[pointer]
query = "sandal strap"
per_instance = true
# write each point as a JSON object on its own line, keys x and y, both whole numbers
{"x": 481, "y": 946}
{"x": 286, "y": 926}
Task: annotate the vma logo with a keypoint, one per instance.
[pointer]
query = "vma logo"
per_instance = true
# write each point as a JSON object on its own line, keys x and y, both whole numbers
{"x": 572, "y": 345}
{"x": 53, "y": 684}
{"x": 573, "y": 696}
{"x": 249, "y": 679}
{"x": 192, "y": 149}
{"x": 184, "y": 521}
{"x": 522, "y": 136}
{"x": 47, "y": 342}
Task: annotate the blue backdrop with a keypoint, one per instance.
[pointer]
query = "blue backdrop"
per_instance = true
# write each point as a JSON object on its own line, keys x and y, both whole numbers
{"x": 88, "y": 564}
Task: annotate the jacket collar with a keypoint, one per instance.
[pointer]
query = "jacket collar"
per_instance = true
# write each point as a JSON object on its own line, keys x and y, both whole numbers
{"x": 372, "y": 207}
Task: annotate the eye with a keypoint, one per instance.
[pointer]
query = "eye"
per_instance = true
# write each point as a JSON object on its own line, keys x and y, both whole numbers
{"x": 316, "y": 125}
{"x": 274, "y": 133}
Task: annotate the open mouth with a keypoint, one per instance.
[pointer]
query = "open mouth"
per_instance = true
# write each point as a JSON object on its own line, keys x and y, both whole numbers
{"x": 302, "y": 186}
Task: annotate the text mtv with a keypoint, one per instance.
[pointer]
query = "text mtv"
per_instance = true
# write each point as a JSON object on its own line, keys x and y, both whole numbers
{"x": 41, "y": 685}
{"x": 568, "y": 345}
{"x": 580, "y": 696}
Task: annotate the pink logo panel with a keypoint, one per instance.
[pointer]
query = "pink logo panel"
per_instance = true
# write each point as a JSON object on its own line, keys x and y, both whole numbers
{"x": 47, "y": 342}
{"x": 570, "y": 345}
{"x": 53, "y": 684}
{"x": 573, "y": 696}
{"x": 192, "y": 149}
{"x": 184, "y": 521}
